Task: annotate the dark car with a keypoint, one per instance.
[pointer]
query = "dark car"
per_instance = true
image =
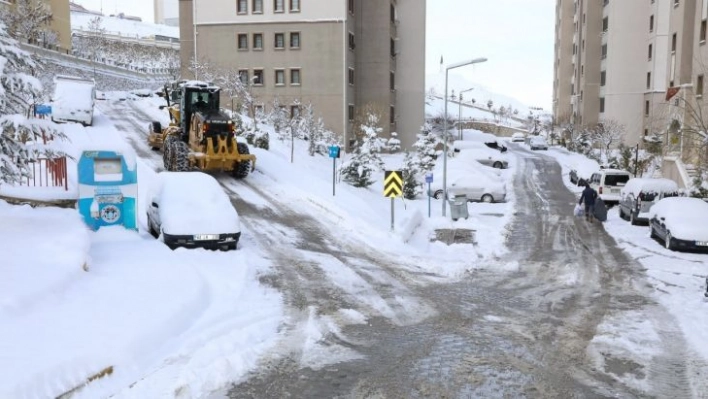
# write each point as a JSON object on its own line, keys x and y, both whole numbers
{"x": 681, "y": 223}
{"x": 495, "y": 145}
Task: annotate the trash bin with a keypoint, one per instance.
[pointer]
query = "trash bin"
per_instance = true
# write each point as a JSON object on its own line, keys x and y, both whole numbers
{"x": 458, "y": 207}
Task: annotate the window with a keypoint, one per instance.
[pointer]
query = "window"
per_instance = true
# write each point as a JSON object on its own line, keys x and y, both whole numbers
{"x": 258, "y": 6}
{"x": 351, "y": 76}
{"x": 651, "y": 23}
{"x": 646, "y": 108}
{"x": 243, "y": 76}
{"x": 648, "y": 80}
{"x": 242, "y": 41}
{"x": 279, "y": 40}
{"x": 278, "y": 5}
{"x": 582, "y": 70}
{"x": 393, "y": 48}
{"x": 242, "y": 6}
{"x": 605, "y": 2}
{"x": 605, "y": 22}
{"x": 604, "y": 51}
{"x": 602, "y": 104}
{"x": 646, "y": 131}
{"x": 350, "y": 112}
{"x": 294, "y": 39}
{"x": 392, "y": 117}
{"x": 295, "y": 77}
{"x": 392, "y": 80}
{"x": 352, "y": 46}
{"x": 280, "y": 77}
{"x": 699, "y": 85}
{"x": 702, "y": 36}
{"x": 673, "y": 43}
{"x": 603, "y": 78}
{"x": 260, "y": 110}
{"x": 258, "y": 41}
{"x": 294, "y": 5}
{"x": 258, "y": 77}
{"x": 649, "y": 54}
{"x": 294, "y": 111}
{"x": 351, "y": 6}
{"x": 676, "y": 3}
{"x": 393, "y": 13}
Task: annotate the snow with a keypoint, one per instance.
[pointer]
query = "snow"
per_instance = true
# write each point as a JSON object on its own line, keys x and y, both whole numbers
{"x": 646, "y": 185}
{"x": 189, "y": 322}
{"x": 123, "y": 27}
{"x": 193, "y": 203}
{"x": 686, "y": 218}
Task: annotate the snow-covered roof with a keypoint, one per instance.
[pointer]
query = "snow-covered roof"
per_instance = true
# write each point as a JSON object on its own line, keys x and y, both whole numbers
{"x": 123, "y": 27}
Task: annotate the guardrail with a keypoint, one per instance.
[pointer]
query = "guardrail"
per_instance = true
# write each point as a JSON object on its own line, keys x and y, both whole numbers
{"x": 48, "y": 172}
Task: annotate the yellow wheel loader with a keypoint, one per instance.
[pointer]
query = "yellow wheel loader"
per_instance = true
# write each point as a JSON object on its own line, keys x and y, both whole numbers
{"x": 203, "y": 138}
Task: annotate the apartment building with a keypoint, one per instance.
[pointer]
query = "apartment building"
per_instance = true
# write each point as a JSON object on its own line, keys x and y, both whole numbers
{"x": 340, "y": 55}
{"x": 61, "y": 21}
{"x": 166, "y": 12}
{"x": 633, "y": 51}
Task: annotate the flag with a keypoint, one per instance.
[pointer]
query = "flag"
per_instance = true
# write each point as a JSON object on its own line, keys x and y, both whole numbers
{"x": 671, "y": 91}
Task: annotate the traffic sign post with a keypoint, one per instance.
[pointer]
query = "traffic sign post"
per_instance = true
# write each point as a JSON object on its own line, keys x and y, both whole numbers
{"x": 429, "y": 179}
{"x": 334, "y": 154}
{"x": 393, "y": 187}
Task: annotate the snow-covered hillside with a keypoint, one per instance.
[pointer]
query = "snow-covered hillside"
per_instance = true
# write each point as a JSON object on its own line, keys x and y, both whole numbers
{"x": 124, "y": 27}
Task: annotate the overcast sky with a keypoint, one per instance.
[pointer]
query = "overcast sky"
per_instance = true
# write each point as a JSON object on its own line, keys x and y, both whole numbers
{"x": 515, "y": 35}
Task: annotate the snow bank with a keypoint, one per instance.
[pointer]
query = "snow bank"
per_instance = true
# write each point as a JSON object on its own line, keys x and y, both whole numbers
{"x": 43, "y": 250}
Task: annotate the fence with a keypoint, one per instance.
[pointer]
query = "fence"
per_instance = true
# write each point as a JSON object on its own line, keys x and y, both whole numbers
{"x": 48, "y": 173}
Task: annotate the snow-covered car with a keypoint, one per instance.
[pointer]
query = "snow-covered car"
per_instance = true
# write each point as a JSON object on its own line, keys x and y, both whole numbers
{"x": 487, "y": 139}
{"x": 681, "y": 223}
{"x": 538, "y": 143}
{"x": 477, "y": 186}
{"x": 640, "y": 194}
{"x": 190, "y": 209}
{"x": 100, "y": 95}
{"x": 518, "y": 137}
{"x": 486, "y": 156}
{"x": 141, "y": 92}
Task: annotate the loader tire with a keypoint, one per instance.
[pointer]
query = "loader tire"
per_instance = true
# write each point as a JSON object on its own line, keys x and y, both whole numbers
{"x": 167, "y": 151}
{"x": 242, "y": 168}
{"x": 180, "y": 156}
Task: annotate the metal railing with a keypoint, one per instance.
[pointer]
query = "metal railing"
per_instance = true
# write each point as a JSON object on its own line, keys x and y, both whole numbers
{"x": 48, "y": 173}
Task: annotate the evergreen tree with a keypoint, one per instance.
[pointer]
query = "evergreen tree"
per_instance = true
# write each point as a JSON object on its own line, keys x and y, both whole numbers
{"x": 394, "y": 144}
{"x": 279, "y": 119}
{"x": 425, "y": 149}
{"x": 312, "y": 128}
{"x": 22, "y": 139}
{"x": 359, "y": 169}
{"x": 411, "y": 186}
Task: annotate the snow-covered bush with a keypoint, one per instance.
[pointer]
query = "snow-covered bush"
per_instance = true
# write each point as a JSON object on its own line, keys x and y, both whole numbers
{"x": 359, "y": 169}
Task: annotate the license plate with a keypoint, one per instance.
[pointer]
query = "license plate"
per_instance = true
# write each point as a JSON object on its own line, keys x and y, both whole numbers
{"x": 702, "y": 243}
{"x": 614, "y": 190}
{"x": 204, "y": 237}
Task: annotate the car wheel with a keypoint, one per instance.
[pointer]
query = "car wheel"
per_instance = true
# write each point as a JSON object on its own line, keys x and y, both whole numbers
{"x": 621, "y": 213}
{"x": 497, "y": 165}
{"x": 153, "y": 232}
{"x": 487, "y": 198}
{"x": 438, "y": 194}
{"x": 669, "y": 241}
{"x": 652, "y": 233}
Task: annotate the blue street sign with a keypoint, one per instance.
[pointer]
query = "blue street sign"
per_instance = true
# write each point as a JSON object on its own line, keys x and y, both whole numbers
{"x": 428, "y": 177}
{"x": 334, "y": 151}
{"x": 42, "y": 109}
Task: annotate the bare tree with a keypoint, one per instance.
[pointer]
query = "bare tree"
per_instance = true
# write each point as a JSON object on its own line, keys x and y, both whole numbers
{"x": 27, "y": 19}
{"x": 607, "y": 134}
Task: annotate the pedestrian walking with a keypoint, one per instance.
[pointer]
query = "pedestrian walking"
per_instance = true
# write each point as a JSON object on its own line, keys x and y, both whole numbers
{"x": 588, "y": 197}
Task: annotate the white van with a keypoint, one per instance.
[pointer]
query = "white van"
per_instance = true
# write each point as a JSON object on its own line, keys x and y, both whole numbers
{"x": 608, "y": 183}
{"x": 73, "y": 99}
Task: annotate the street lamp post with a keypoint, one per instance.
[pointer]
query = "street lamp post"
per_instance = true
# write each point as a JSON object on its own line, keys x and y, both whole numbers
{"x": 459, "y": 112}
{"x": 445, "y": 132}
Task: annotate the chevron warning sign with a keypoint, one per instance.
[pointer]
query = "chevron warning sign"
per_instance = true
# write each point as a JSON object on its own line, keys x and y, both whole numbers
{"x": 393, "y": 183}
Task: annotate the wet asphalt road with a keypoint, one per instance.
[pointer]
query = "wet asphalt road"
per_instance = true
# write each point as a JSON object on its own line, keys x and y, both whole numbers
{"x": 523, "y": 333}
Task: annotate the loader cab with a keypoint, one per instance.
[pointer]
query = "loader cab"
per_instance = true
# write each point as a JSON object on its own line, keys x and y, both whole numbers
{"x": 197, "y": 97}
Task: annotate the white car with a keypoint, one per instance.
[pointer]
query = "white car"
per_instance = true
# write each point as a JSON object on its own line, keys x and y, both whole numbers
{"x": 640, "y": 194}
{"x": 608, "y": 183}
{"x": 477, "y": 186}
{"x": 681, "y": 223}
{"x": 538, "y": 143}
{"x": 190, "y": 209}
{"x": 518, "y": 137}
{"x": 484, "y": 155}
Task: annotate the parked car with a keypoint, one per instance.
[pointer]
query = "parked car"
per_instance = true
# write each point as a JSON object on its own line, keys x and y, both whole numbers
{"x": 100, "y": 95}
{"x": 190, "y": 209}
{"x": 576, "y": 179}
{"x": 518, "y": 137}
{"x": 608, "y": 183}
{"x": 639, "y": 195}
{"x": 478, "y": 187}
{"x": 538, "y": 143}
{"x": 141, "y": 92}
{"x": 681, "y": 223}
{"x": 488, "y": 139}
{"x": 73, "y": 99}
{"x": 486, "y": 156}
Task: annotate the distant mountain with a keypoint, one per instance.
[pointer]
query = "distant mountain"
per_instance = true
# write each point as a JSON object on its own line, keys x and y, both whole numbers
{"x": 480, "y": 93}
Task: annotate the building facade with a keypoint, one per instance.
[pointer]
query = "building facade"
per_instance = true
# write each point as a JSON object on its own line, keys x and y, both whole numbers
{"x": 342, "y": 56}
{"x": 624, "y": 58}
{"x": 167, "y": 12}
